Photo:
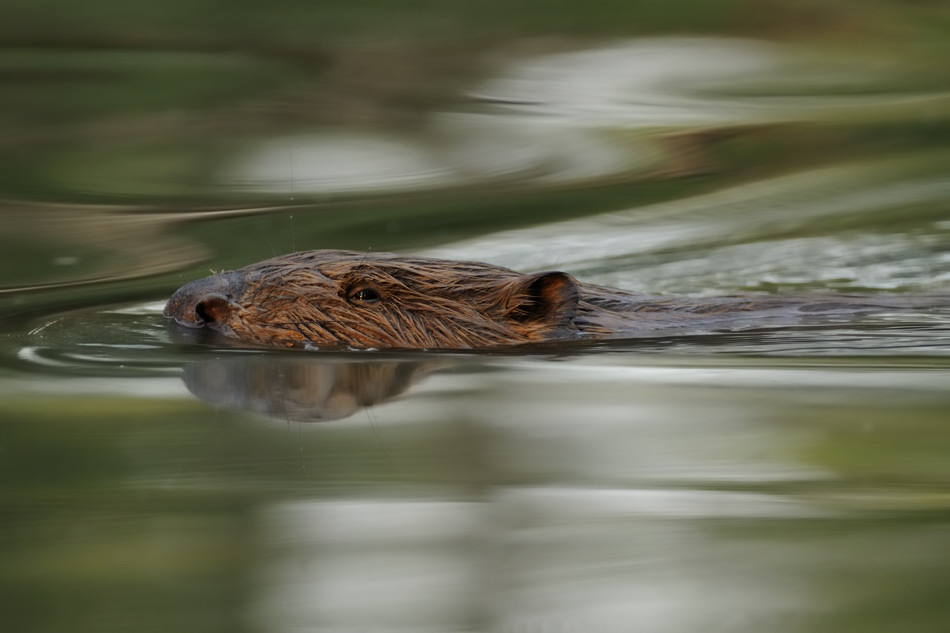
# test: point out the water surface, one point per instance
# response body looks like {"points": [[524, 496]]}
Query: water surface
{"points": [[780, 479]]}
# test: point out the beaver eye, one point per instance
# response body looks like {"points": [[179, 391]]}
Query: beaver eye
{"points": [[364, 295]]}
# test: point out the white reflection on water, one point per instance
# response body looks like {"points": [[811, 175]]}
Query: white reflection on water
{"points": [[646, 83], [389, 564], [523, 559], [571, 116], [341, 161]]}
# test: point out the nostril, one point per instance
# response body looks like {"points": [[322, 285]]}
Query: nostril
{"points": [[202, 314], [213, 309]]}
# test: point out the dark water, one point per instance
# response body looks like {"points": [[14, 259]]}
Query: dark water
{"points": [[773, 479]]}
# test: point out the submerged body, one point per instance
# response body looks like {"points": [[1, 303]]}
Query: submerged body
{"points": [[329, 298]]}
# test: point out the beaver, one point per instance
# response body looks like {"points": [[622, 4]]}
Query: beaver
{"points": [[334, 299]]}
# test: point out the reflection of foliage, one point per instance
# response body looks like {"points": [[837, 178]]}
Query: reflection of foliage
{"points": [[72, 445], [76, 83], [147, 100], [121, 510], [103, 56], [301, 23], [885, 443]]}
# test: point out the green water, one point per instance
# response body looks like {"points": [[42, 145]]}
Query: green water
{"points": [[773, 479]]}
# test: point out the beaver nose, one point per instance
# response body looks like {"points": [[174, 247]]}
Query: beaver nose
{"points": [[203, 302]]}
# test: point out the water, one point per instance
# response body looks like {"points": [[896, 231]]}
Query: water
{"points": [[780, 479]]}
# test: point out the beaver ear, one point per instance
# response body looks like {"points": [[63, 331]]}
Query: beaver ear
{"points": [[545, 296]]}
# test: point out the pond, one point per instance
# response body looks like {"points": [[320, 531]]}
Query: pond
{"points": [[790, 478]]}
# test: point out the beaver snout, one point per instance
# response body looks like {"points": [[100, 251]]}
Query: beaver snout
{"points": [[204, 303]]}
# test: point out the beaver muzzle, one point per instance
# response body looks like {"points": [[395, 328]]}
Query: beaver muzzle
{"points": [[205, 302]]}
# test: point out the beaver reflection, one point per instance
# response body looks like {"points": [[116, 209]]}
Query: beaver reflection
{"points": [[381, 300], [298, 390]]}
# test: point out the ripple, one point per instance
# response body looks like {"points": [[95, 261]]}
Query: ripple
{"points": [[751, 237], [77, 245], [130, 341]]}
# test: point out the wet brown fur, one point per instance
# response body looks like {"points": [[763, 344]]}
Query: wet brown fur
{"points": [[348, 299]]}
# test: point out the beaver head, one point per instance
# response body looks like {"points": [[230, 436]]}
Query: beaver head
{"points": [[379, 300]]}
